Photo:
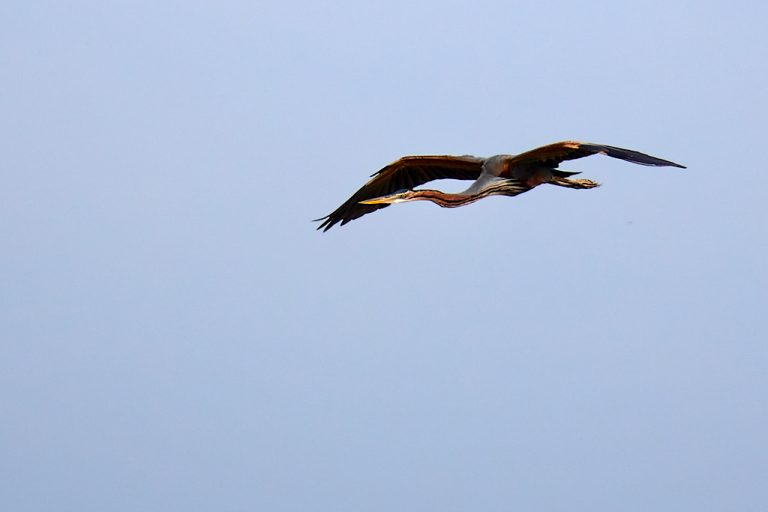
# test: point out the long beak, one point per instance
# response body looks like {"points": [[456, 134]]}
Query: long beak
{"points": [[390, 199]]}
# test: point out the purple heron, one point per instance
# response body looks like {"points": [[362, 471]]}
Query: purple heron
{"points": [[505, 175]]}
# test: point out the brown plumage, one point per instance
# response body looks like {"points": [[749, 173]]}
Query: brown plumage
{"points": [[507, 175]]}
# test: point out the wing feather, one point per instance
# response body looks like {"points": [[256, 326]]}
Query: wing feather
{"points": [[406, 173], [552, 154]]}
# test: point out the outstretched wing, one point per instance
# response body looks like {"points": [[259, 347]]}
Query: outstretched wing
{"points": [[404, 174], [551, 155]]}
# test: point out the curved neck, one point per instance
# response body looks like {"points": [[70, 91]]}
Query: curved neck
{"points": [[447, 200]]}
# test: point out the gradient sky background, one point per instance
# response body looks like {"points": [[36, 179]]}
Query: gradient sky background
{"points": [[177, 336]]}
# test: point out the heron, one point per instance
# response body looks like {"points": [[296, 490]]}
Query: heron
{"points": [[499, 175]]}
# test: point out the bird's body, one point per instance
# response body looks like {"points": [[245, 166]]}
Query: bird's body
{"points": [[507, 175]]}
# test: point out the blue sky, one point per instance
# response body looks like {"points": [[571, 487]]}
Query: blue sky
{"points": [[177, 336]]}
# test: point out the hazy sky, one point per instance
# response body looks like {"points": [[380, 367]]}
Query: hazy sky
{"points": [[177, 336]]}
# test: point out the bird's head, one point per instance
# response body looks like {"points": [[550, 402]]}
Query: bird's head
{"points": [[398, 197]]}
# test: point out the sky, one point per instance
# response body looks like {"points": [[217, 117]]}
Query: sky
{"points": [[176, 335]]}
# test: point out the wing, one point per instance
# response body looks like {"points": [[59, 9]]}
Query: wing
{"points": [[552, 154], [404, 174]]}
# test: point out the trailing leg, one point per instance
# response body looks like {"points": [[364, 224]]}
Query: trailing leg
{"points": [[569, 183]]}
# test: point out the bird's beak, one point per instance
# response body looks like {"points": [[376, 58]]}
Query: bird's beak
{"points": [[390, 199]]}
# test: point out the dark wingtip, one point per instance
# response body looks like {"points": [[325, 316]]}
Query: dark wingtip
{"points": [[325, 220], [631, 155]]}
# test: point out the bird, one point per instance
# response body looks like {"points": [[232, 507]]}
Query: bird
{"points": [[504, 175]]}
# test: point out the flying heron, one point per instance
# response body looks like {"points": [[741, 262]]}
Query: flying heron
{"points": [[504, 175]]}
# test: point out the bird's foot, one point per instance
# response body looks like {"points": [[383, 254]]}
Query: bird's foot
{"points": [[569, 183], [585, 183]]}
